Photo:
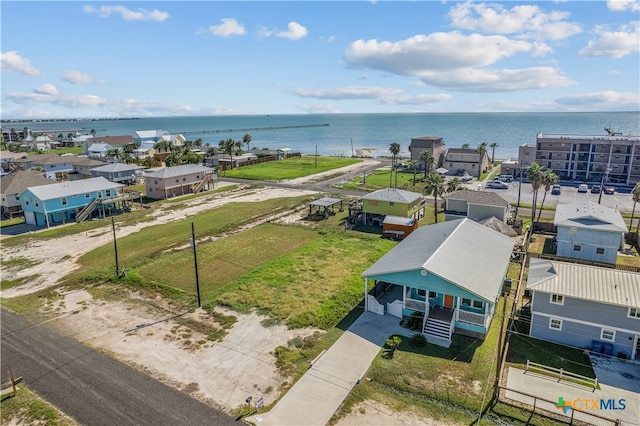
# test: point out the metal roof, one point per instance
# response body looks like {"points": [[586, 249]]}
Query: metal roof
{"points": [[484, 198], [393, 195], [325, 202], [74, 187], [185, 169], [456, 251], [589, 215], [398, 220], [604, 285]]}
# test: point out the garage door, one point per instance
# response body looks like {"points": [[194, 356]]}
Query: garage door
{"points": [[30, 218]]}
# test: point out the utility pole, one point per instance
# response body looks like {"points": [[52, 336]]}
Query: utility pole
{"points": [[115, 247], [519, 192], [195, 261]]}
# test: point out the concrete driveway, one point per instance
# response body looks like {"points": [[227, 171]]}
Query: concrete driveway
{"points": [[318, 394]]}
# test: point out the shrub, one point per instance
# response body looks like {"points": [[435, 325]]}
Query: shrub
{"points": [[418, 340]]}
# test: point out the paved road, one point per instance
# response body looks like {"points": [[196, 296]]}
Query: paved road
{"points": [[91, 387]]}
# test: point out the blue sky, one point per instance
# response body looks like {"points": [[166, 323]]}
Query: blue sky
{"points": [[137, 59]]}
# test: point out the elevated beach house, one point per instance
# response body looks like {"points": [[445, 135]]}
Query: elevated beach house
{"points": [[445, 278], [179, 180], [585, 306], [589, 231], [12, 184], [391, 201], [73, 201]]}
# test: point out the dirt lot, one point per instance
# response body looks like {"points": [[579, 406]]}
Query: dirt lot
{"points": [[221, 373]]}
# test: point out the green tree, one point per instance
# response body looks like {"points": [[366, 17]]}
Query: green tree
{"points": [[435, 186], [163, 146], [246, 140], [465, 146], [534, 175], [453, 185], [493, 146], [635, 196], [228, 146], [548, 179], [482, 150], [426, 157], [394, 148]]}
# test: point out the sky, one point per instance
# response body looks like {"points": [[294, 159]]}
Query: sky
{"points": [[119, 59]]}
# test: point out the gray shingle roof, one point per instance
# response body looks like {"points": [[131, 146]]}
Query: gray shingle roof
{"points": [[589, 215], [185, 169], [484, 198], [75, 187], [117, 167], [19, 180], [393, 195], [604, 285], [457, 251]]}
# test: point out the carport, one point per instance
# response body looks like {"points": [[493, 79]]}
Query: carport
{"points": [[324, 206]]}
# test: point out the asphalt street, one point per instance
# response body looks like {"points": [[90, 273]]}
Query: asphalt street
{"points": [[91, 387]]}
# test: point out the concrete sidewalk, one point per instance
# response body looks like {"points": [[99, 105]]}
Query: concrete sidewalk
{"points": [[550, 389], [318, 394]]}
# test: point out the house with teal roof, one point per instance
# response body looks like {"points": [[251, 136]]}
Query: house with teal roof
{"points": [[443, 276]]}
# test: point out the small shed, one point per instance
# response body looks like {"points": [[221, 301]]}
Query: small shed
{"points": [[397, 227], [324, 206]]}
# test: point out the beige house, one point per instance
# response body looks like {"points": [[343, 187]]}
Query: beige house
{"points": [[526, 155], [460, 160], [13, 184], [179, 180]]}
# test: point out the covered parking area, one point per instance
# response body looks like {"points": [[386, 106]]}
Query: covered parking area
{"points": [[324, 207]]}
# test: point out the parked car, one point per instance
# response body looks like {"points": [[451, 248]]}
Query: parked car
{"points": [[555, 190], [595, 189], [505, 178], [583, 187], [466, 178], [497, 184], [609, 190]]}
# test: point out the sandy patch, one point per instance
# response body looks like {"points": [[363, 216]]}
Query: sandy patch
{"points": [[373, 413], [221, 373]]}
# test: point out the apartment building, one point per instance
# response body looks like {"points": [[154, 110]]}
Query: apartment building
{"points": [[589, 158]]}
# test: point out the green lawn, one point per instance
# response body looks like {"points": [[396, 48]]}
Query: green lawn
{"points": [[384, 178], [27, 408], [289, 168]]}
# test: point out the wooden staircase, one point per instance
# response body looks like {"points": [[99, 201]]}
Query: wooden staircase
{"points": [[201, 184], [86, 211]]}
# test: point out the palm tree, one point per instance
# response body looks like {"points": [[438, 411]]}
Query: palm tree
{"points": [[228, 146], [394, 148], [435, 186], [493, 146], [198, 142], [549, 178], [482, 150], [635, 196], [453, 184], [163, 146], [534, 175], [246, 140], [465, 146], [426, 157]]}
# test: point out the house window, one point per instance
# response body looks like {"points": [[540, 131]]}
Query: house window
{"points": [[609, 335], [63, 200], [634, 312], [197, 176], [432, 295], [422, 293], [555, 324], [37, 202], [17, 197], [478, 304], [177, 180], [391, 203], [599, 250], [466, 302], [87, 195], [108, 192], [557, 299], [184, 179], [26, 200], [155, 182], [577, 247], [99, 194]]}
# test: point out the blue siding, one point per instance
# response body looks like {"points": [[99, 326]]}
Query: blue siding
{"points": [[589, 241]]}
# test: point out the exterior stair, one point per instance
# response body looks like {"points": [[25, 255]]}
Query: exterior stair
{"points": [[437, 328], [86, 211], [201, 184]]}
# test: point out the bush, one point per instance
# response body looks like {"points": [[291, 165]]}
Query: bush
{"points": [[418, 340], [415, 321]]}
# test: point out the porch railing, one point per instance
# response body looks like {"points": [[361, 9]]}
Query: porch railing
{"points": [[470, 317], [416, 305]]}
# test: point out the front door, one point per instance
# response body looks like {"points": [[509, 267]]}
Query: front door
{"points": [[448, 301]]}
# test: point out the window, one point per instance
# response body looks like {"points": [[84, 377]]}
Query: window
{"points": [[634, 312], [184, 179], [177, 180], [573, 231], [108, 193], [577, 247], [466, 301], [422, 293], [557, 299], [433, 295], [17, 197], [37, 202], [26, 200], [599, 250], [63, 200], [391, 203], [555, 324], [478, 304], [609, 335], [87, 195]]}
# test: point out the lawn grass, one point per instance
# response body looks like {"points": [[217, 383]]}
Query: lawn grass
{"points": [[27, 408], [289, 168], [11, 222], [384, 178]]}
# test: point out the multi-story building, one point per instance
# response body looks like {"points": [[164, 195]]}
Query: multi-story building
{"points": [[614, 158], [460, 160], [434, 144]]}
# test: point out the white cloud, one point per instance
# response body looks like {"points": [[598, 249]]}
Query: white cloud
{"points": [[606, 100], [128, 14], [527, 21], [623, 5], [615, 44], [352, 92], [319, 109], [46, 89], [294, 31], [228, 27], [12, 62], [416, 99], [76, 77]]}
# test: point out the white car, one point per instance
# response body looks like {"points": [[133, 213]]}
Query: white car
{"points": [[497, 184], [583, 187]]}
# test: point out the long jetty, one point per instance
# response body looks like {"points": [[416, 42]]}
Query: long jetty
{"points": [[249, 129]]}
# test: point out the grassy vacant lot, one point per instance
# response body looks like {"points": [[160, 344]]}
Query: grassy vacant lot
{"points": [[382, 178], [289, 168], [27, 408]]}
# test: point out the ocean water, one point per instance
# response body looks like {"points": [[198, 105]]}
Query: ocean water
{"points": [[343, 134]]}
